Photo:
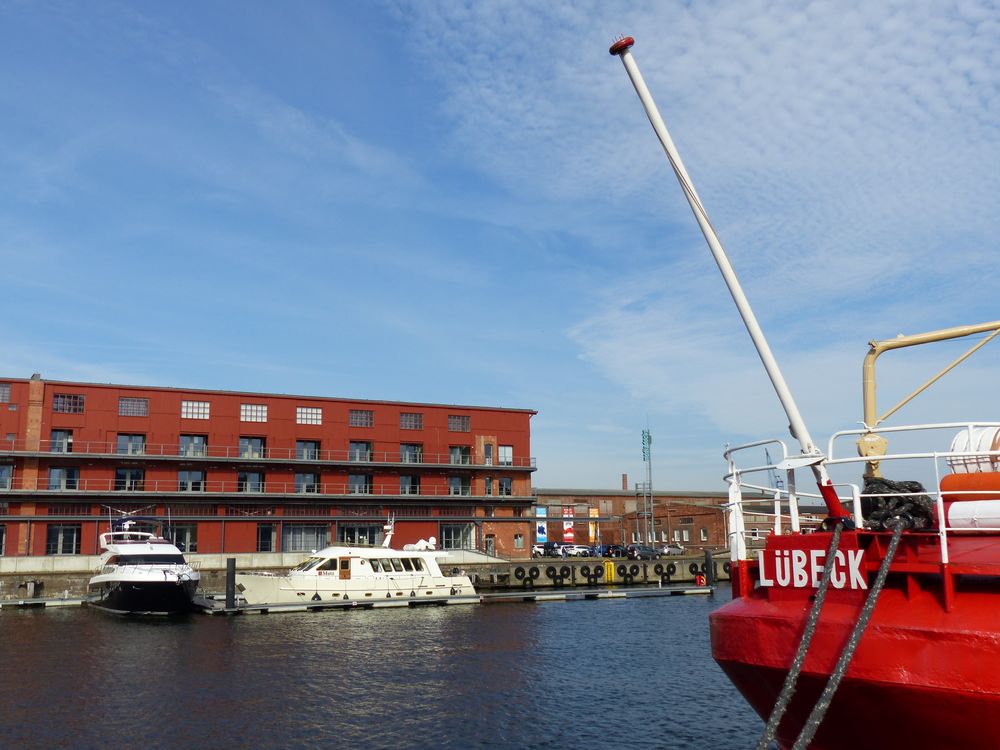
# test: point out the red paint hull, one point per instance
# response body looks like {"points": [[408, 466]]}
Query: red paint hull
{"points": [[925, 676]]}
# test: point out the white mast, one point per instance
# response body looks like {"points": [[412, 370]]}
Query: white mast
{"points": [[810, 453]]}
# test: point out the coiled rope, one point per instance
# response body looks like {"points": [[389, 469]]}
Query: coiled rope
{"points": [[819, 710], [788, 688]]}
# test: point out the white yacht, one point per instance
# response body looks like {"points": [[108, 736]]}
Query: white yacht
{"points": [[141, 573], [364, 576]]}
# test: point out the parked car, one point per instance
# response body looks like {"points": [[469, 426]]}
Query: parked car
{"points": [[673, 549], [641, 552], [537, 550], [610, 550], [578, 550], [552, 549]]}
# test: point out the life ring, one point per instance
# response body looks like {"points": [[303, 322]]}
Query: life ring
{"points": [[550, 571], [671, 569], [585, 571], [699, 580], [534, 572], [727, 567], [634, 571], [564, 571], [693, 569], [622, 570], [519, 573], [658, 569]]}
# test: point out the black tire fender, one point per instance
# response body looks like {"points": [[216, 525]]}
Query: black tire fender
{"points": [[534, 572], [633, 571], [564, 571], [519, 573], [693, 569], [622, 570], [585, 571], [658, 569], [550, 571], [671, 569], [727, 567]]}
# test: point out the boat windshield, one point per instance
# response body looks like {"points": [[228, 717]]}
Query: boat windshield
{"points": [[308, 564], [150, 559]]}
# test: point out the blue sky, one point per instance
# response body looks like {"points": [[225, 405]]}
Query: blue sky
{"points": [[463, 203]]}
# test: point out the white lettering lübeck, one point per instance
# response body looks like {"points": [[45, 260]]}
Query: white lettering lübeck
{"points": [[800, 568]]}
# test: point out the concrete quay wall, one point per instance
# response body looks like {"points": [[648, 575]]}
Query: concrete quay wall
{"points": [[64, 577]]}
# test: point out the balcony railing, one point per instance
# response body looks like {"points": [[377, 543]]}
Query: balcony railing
{"points": [[235, 453], [233, 487]]}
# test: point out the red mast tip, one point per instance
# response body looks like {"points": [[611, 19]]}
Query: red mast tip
{"points": [[621, 45]]}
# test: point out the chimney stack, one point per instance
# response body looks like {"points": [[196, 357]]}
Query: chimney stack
{"points": [[624, 482]]}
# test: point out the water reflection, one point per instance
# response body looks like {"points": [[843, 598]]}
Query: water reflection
{"points": [[634, 672]]}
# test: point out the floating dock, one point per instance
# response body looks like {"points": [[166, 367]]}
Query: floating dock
{"points": [[213, 606]]}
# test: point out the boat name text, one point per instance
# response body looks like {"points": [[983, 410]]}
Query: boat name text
{"points": [[799, 568]]}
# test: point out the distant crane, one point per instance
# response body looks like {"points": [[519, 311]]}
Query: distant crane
{"points": [[777, 483]]}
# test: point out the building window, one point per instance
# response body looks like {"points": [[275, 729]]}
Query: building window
{"points": [[360, 533], [458, 536], [62, 539], [704, 534], [184, 535], [67, 403], [6, 476], [686, 535], [250, 481], [459, 454], [518, 512], [488, 454], [307, 450], [685, 519], [677, 535], [457, 423], [133, 407], [304, 537], [194, 445], [308, 415], [409, 420], [190, 480], [361, 418], [360, 451], [3, 539], [63, 478], [411, 453], [459, 486], [505, 455], [252, 447], [265, 537], [307, 482], [489, 511], [253, 412], [488, 485], [409, 485], [4, 393], [518, 541], [504, 486], [62, 441], [195, 409], [359, 484], [128, 480], [131, 444]]}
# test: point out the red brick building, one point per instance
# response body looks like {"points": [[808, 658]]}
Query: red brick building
{"points": [[245, 472], [693, 519]]}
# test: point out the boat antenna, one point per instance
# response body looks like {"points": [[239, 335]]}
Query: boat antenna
{"points": [[810, 454], [389, 528]]}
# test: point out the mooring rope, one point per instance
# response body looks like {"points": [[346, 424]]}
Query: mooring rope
{"points": [[788, 688], [819, 710]]}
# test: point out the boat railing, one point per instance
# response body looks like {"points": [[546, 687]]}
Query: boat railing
{"points": [[768, 492]]}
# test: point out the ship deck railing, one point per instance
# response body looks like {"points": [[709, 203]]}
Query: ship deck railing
{"points": [[767, 497]]}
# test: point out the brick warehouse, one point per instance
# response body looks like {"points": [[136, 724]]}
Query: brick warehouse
{"points": [[249, 472]]}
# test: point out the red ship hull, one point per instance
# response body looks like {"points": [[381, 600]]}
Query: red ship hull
{"points": [[925, 675]]}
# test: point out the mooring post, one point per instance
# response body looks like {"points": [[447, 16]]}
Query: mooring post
{"points": [[230, 583], [709, 568]]}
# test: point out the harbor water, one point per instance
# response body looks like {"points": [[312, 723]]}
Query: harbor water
{"points": [[628, 673]]}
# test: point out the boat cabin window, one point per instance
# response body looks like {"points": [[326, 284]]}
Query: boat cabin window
{"points": [[375, 566], [407, 564], [418, 564], [308, 564], [330, 564], [397, 564], [386, 565], [150, 559]]}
